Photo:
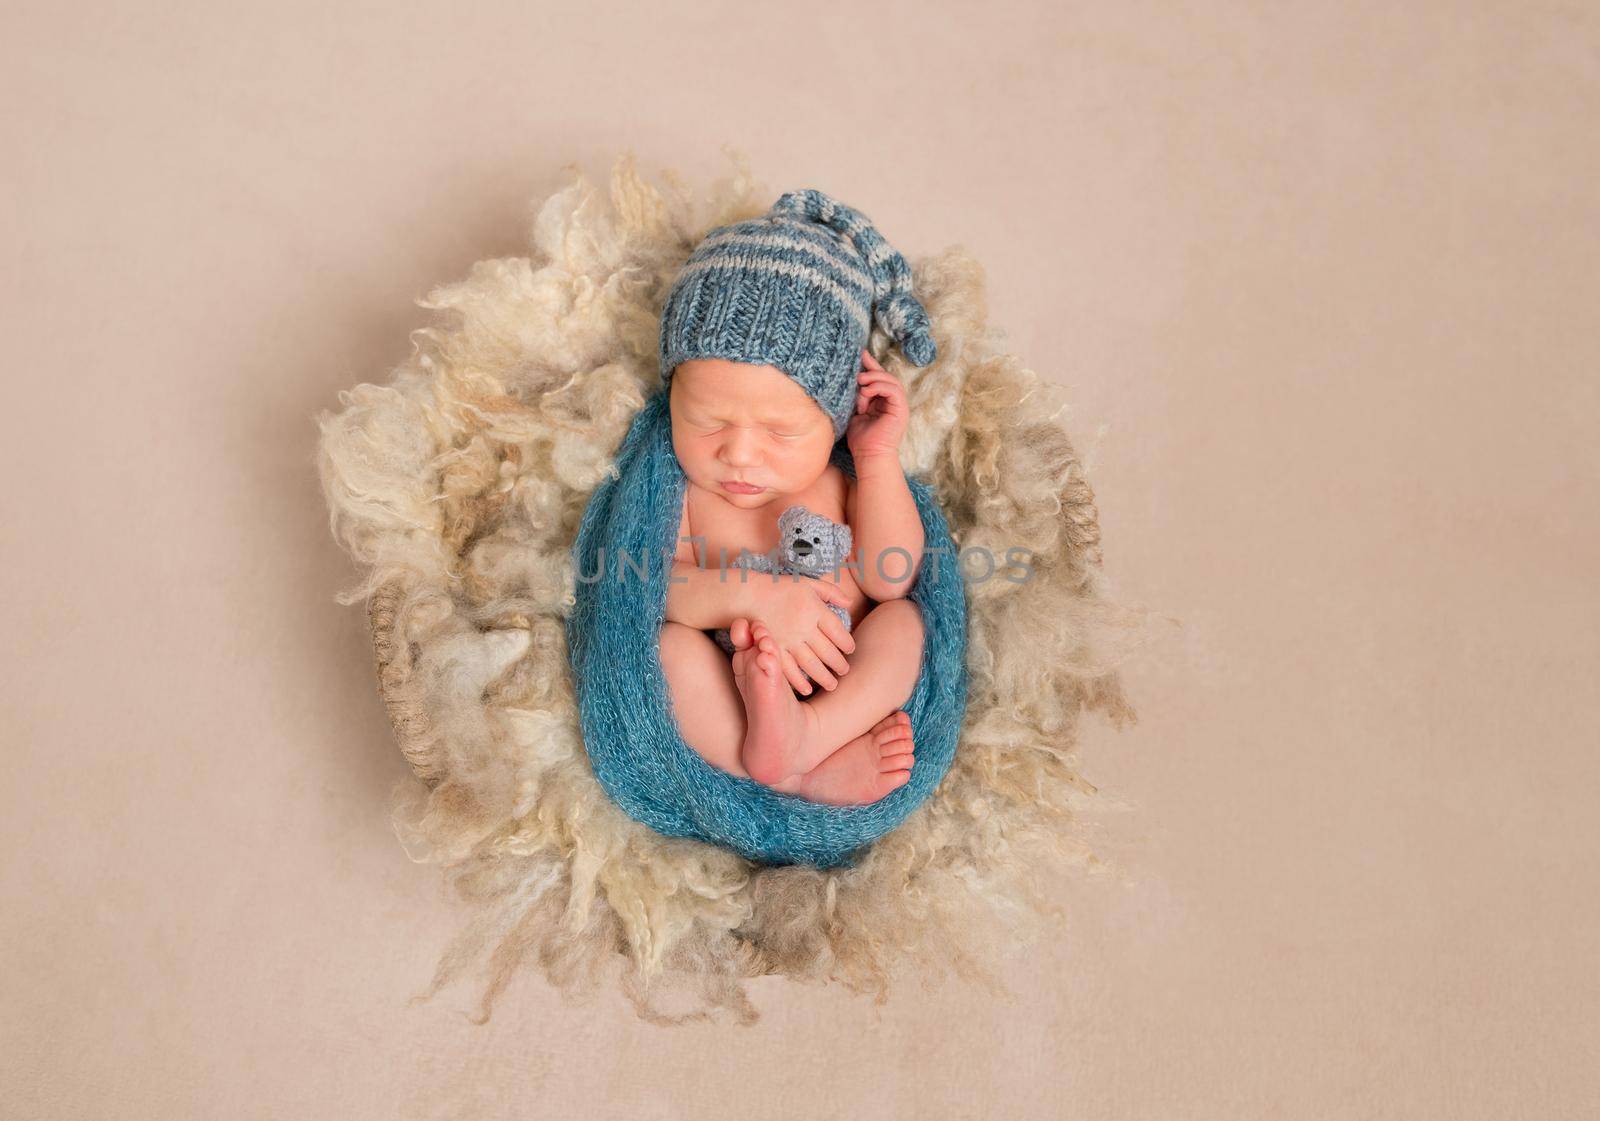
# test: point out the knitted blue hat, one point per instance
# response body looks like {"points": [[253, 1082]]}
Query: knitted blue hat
{"points": [[796, 288]]}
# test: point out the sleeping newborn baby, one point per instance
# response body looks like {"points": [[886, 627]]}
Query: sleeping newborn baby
{"points": [[763, 346], [805, 705]]}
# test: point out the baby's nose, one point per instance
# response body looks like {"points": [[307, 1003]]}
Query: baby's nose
{"points": [[740, 449]]}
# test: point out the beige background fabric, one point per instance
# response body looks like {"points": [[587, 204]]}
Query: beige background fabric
{"points": [[1321, 278]]}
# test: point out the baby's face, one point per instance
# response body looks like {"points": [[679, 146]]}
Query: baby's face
{"points": [[734, 422]]}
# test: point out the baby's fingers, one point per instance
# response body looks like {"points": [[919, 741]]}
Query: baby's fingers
{"points": [[889, 392], [797, 678], [879, 385], [834, 628], [831, 592], [829, 654], [813, 666]]}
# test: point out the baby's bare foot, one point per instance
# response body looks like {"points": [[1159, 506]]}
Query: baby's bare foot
{"points": [[867, 768], [774, 717]]}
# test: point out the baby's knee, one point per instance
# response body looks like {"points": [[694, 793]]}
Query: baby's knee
{"points": [[904, 616], [679, 642]]}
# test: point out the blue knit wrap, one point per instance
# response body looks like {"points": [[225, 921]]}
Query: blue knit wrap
{"points": [[624, 550]]}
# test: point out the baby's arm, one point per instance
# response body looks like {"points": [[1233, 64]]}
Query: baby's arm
{"points": [[705, 599], [812, 639], [700, 596], [883, 518], [882, 514]]}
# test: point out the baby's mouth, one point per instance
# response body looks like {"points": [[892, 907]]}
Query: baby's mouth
{"points": [[737, 487]]}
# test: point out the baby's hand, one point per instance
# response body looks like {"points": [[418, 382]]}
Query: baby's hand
{"points": [[811, 639], [882, 412]]}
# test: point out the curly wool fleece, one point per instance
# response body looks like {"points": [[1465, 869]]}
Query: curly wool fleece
{"points": [[457, 487]]}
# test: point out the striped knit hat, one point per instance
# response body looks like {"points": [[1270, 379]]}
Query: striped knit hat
{"points": [[796, 288]]}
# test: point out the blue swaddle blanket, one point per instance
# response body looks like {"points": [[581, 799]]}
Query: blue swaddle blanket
{"points": [[623, 553]]}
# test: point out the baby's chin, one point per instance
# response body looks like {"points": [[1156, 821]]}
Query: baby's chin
{"points": [[742, 501]]}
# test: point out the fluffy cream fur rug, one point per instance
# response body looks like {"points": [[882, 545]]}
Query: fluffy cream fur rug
{"points": [[457, 487]]}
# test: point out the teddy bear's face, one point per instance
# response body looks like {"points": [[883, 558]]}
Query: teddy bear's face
{"points": [[810, 543]]}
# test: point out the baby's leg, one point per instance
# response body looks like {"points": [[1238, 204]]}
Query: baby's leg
{"points": [[705, 700], [883, 672], [867, 768], [711, 716]]}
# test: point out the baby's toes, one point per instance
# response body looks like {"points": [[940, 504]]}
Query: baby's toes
{"points": [[739, 633], [895, 737], [899, 716], [896, 751], [898, 762]]}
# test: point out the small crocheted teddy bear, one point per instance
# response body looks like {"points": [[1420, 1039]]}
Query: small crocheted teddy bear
{"points": [[808, 544]]}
